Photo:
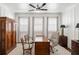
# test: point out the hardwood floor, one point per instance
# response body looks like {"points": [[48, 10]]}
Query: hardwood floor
{"points": [[61, 51]]}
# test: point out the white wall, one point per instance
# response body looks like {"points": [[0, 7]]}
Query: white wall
{"points": [[6, 11], [70, 17]]}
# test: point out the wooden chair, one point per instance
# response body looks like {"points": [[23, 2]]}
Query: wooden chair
{"points": [[54, 41], [26, 37], [28, 40], [27, 50]]}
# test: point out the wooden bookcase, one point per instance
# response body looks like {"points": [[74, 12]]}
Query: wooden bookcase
{"points": [[7, 35]]}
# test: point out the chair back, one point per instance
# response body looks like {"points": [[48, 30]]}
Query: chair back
{"points": [[22, 41], [26, 37], [54, 38], [28, 40]]}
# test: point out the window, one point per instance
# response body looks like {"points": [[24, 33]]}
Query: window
{"points": [[52, 25], [24, 24], [38, 24], [23, 27]]}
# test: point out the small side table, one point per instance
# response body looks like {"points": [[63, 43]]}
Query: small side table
{"points": [[63, 41]]}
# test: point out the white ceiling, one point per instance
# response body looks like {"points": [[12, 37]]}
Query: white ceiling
{"points": [[53, 7]]}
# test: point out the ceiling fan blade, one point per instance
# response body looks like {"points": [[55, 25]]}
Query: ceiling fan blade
{"points": [[37, 6], [43, 5], [32, 5], [44, 9]]}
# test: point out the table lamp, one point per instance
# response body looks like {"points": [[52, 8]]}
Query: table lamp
{"points": [[77, 26], [62, 26]]}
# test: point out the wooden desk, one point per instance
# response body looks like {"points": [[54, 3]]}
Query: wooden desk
{"points": [[42, 47]]}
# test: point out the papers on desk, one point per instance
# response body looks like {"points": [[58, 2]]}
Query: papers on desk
{"points": [[38, 39]]}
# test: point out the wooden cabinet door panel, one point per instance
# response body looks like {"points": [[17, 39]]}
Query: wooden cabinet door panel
{"points": [[6, 40]]}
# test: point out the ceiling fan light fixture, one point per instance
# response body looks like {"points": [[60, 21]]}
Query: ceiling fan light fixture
{"points": [[38, 7]]}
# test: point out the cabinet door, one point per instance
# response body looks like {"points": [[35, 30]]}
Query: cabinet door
{"points": [[8, 35], [13, 40], [3, 25], [14, 27], [14, 36], [2, 36], [0, 40]]}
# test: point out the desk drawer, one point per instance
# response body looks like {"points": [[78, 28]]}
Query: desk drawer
{"points": [[42, 48]]}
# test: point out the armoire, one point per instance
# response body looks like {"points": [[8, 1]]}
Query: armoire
{"points": [[7, 35]]}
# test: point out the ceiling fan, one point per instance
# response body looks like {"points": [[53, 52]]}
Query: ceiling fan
{"points": [[38, 7]]}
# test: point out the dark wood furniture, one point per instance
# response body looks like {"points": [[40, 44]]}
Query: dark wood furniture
{"points": [[27, 50], [42, 48], [75, 47], [7, 35], [63, 41]]}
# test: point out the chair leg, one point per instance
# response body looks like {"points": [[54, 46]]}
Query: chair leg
{"points": [[23, 53], [31, 51], [51, 49]]}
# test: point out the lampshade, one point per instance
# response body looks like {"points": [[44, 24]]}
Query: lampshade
{"points": [[77, 26], [62, 26]]}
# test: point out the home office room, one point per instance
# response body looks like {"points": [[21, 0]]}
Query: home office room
{"points": [[39, 28]]}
